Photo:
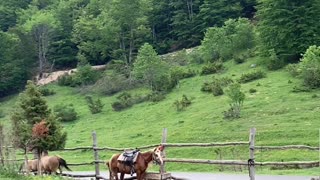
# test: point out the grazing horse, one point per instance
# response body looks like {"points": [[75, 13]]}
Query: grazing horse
{"points": [[50, 164], [32, 166], [139, 166]]}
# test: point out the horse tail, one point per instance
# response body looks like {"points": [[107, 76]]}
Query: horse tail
{"points": [[63, 163]]}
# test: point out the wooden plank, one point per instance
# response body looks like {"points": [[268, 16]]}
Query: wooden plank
{"points": [[205, 144], [163, 141], [251, 162], [204, 161], [157, 176], [95, 154], [287, 147]]}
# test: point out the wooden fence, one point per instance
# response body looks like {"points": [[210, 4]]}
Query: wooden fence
{"points": [[250, 162]]}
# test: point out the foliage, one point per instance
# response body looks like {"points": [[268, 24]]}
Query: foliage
{"points": [[46, 91], [85, 75], [293, 69], [216, 85], [183, 103], [251, 76], [156, 96], [310, 67], [212, 68], [293, 19], [225, 42], [66, 80], [95, 106], [149, 67], [65, 113], [237, 98], [113, 83], [274, 62], [31, 109], [252, 90], [125, 101], [178, 73]]}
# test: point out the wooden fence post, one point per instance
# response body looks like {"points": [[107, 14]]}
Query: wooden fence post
{"points": [[251, 154], [163, 140], [95, 153]]}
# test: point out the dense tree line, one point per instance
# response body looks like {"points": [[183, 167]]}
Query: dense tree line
{"points": [[42, 35]]}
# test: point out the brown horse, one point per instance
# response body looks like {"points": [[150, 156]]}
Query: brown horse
{"points": [[140, 166], [32, 166], [50, 164]]}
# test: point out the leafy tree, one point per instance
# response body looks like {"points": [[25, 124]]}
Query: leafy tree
{"points": [[310, 67], [227, 41], [148, 66], [14, 64], [32, 109], [289, 27], [41, 25]]}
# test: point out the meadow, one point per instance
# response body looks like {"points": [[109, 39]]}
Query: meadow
{"points": [[281, 117]]}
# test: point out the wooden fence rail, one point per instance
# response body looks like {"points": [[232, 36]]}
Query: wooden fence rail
{"points": [[251, 163]]}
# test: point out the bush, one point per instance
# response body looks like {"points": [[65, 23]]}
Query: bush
{"points": [[66, 80], [179, 73], [94, 106], [310, 67], [274, 62], [293, 70], [216, 85], [251, 76], [156, 96], [125, 101], [211, 68], [195, 57], [85, 75], [237, 98], [252, 90], [2, 115], [111, 84], [65, 112], [163, 84], [46, 91], [298, 89], [183, 103]]}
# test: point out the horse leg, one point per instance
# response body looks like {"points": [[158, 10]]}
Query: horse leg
{"points": [[122, 176]]}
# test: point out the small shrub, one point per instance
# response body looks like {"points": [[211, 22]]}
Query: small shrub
{"points": [[252, 90], [163, 84], [240, 58], [293, 70], [297, 89], [111, 84], [85, 75], [179, 73], [182, 104], [195, 57], [2, 115], [314, 96], [237, 98], [66, 80], [233, 112], [65, 112], [251, 76], [216, 85], [125, 101], [274, 62], [212, 68], [95, 106], [46, 91], [156, 96]]}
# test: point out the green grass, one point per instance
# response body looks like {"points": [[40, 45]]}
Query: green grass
{"points": [[280, 117]]}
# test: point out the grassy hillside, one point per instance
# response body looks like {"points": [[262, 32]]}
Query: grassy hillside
{"points": [[280, 116]]}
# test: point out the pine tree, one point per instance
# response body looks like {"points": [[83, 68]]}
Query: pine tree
{"points": [[31, 109], [288, 26]]}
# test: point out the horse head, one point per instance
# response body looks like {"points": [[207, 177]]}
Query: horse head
{"points": [[158, 154]]}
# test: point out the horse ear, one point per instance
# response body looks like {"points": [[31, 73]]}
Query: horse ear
{"points": [[161, 147]]}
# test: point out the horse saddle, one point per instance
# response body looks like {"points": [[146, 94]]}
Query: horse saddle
{"points": [[129, 157]]}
